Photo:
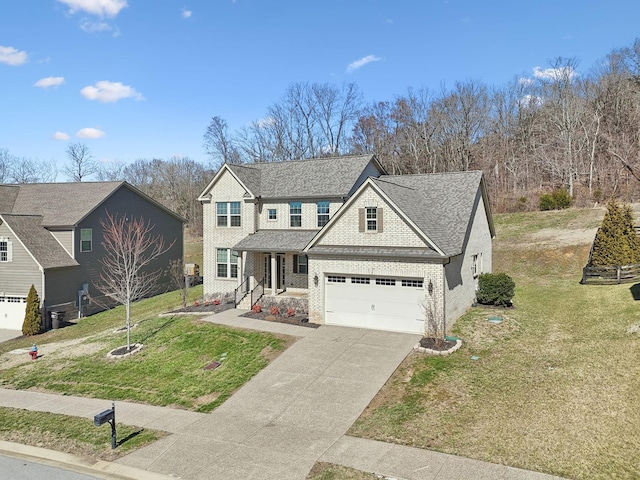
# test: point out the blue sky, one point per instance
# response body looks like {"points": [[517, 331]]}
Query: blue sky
{"points": [[142, 78]]}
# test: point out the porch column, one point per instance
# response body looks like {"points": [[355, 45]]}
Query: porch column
{"points": [[274, 273], [240, 268]]}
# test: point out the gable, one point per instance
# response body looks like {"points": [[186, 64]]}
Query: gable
{"points": [[225, 186], [345, 229]]}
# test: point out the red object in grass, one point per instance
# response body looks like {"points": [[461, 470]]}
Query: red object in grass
{"points": [[275, 311], [216, 302], [291, 312], [256, 309]]}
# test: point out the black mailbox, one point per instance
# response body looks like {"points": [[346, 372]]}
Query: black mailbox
{"points": [[103, 417]]}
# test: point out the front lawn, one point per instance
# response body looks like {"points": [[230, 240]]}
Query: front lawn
{"points": [[169, 371], [555, 386]]}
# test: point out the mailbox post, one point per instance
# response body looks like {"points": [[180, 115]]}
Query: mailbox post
{"points": [[110, 417]]}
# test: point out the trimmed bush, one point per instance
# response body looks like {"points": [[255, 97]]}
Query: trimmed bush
{"points": [[556, 200], [32, 324], [495, 289]]}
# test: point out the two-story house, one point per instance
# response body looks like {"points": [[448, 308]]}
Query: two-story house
{"points": [[366, 248], [51, 235]]}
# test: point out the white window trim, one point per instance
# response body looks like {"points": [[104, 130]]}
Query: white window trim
{"points": [[327, 214], [90, 230], [228, 263], [228, 215], [476, 265], [275, 216], [367, 219], [291, 215], [9, 251]]}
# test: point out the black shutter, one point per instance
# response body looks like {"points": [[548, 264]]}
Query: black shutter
{"points": [[295, 264]]}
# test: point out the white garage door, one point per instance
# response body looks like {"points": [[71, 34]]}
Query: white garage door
{"points": [[12, 312], [380, 303]]}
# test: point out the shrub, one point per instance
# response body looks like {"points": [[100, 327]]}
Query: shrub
{"points": [[616, 243], [216, 302], [256, 308], [275, 310], [291, 312], [495, 289], [556, 200], [32, 324]]}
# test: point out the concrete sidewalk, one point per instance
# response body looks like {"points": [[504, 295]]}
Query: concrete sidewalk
{"points": [[292, 414]]}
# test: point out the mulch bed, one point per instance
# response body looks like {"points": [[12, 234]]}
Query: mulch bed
{"points": [[295, 320], [430, 343]]}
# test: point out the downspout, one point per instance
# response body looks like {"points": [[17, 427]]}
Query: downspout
{"points": [[43, 307]]}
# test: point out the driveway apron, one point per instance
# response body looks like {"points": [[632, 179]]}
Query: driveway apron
{"points": [[287, 416]]}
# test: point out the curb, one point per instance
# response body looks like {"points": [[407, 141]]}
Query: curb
{"points": [[74, 463]]}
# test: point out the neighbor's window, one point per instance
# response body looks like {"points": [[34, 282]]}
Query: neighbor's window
{"points": [[323, 213], [300, 263], [372, 219], [272, 214], [227, 263], [5, 250], [228, 214], [295, 214], [86, 242]]}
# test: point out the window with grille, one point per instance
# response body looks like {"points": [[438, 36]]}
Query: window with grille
{"points": [[323, 213], [295, 214]]}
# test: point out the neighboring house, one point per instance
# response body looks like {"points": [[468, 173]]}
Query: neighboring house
{"points": [[50, 236], [367, 249]]}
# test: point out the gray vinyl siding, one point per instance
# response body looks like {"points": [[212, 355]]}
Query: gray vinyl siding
{"points": [[124, 202], [17, 276], [65, 237]]}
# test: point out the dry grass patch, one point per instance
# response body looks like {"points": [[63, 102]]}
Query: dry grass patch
{"points": [[329, 471]]}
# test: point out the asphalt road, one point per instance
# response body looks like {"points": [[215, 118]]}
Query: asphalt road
{"points": [[18, 469]]}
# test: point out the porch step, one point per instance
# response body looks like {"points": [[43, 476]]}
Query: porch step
{"points": [[245, 303]]}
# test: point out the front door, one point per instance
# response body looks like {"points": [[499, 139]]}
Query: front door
{"points": [[279, 273]]}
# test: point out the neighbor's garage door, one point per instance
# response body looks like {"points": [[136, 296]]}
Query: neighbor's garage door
{"points": [[375, 302], [12, 312]]}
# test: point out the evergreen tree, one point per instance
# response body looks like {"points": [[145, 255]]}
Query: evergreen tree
{"points": [[32, 324], [616, 243]]}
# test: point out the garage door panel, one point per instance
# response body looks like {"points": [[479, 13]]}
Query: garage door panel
{"points": [[12, 313], [382, 307]]}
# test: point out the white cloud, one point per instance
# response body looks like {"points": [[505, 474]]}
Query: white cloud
{"points": [[525, 81], [554, 73], [530, 101], [101, 8], [90, 133], [49, 82], [186, 13], [92, 27], [265, 122], [11, 56], [109, 92], [61, 136], [362, 62]]}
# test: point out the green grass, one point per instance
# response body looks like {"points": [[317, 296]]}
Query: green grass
{"points": [[193, 251], [71, 434], [169, 371], [555, 388]]}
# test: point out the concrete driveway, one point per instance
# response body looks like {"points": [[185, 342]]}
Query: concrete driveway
{"points": [[6, 334], [281, 422]]}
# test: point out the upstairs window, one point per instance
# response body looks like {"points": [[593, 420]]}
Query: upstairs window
{"points": [[372, 219], [86, 242], [323, 213], [295, 214], [5, 250], [228, 214], [272, 214]]}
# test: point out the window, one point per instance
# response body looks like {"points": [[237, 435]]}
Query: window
{"points": [[5, 250], [361, 280], [323, 213], [385, 281], [372, 219], [227, 263], [476, 265], [272, 214], [412, 283], [300, 263], [86, 243], [335, 279], [228, 214], [295, 214]]}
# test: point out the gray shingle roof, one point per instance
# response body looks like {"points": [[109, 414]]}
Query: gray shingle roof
{"points": [[362, 251], [318, 177], [59, 204], [439, 204], [39, 241], [276, 241]]}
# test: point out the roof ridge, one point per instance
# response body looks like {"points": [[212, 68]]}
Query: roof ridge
{"points": [[382, 179]]}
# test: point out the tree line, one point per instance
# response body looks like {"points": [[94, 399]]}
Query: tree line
{"points": [[556, 129]]}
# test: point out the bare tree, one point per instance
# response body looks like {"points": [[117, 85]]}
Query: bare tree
{"points": [[180, 280], [219, 145], [110, 172], [130, 247], [81, 163]]}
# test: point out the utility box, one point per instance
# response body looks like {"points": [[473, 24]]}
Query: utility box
{"points": [[192, 274]]}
